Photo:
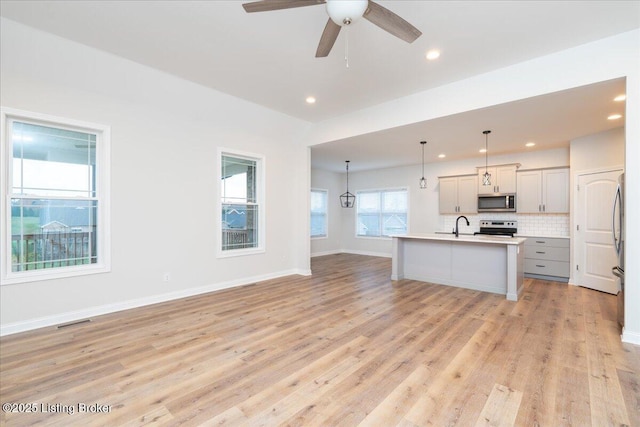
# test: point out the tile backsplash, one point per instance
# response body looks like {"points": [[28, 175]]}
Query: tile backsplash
{"points": [[528, 224]]}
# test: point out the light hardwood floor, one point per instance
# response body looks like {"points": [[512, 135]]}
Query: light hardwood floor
{"points": [[345, 347]]}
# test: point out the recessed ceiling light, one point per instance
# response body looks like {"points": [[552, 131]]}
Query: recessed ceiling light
{"points": [[442, 156], [614, 117], [483, 150], [530, 144], [433, 54], [310, 100], [620, 98]]}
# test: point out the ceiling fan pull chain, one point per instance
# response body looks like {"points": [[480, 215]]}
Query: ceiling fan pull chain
{"points": [[346, 46]]}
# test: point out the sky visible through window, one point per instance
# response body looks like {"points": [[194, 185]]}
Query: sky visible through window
{"points": [[234, 189], [46, 178]]}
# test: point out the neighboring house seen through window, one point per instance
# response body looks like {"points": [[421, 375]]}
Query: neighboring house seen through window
{"points": [[319, 213], [56, 199], [382, 213], [240, 204]]}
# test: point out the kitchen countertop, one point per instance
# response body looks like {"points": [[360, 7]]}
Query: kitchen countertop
{"points": [[531, 236], [542, 236], [467, 238]]}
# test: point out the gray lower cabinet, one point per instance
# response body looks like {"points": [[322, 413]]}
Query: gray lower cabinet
{"points": [[547, 258]]}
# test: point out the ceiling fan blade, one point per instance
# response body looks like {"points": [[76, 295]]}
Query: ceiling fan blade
{"points": [[390, 22], [267, 5], [329, 36]]}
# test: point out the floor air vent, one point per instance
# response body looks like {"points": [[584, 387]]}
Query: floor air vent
{"points": [[79, 322]]}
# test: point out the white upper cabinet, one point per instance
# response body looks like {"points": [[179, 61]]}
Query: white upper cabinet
{"points": [[503, 179], [543, 191], [458, 194]]}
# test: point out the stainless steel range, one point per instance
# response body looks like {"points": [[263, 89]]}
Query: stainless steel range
{"points": [[498, 227]]}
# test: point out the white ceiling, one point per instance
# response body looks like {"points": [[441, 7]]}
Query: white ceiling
{"points": [[268, 58]]}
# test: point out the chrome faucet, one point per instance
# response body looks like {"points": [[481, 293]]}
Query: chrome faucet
{"points": [[457, 219]]}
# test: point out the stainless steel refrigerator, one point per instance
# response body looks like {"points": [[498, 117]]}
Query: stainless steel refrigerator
{"points": [[618, 241]]}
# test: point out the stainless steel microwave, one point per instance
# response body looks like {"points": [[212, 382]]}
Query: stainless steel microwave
{"points": [[496, 202]]}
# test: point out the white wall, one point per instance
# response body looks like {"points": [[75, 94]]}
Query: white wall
{"points": [[598, 151], [165, 134], [617, 56], [334, 184]]}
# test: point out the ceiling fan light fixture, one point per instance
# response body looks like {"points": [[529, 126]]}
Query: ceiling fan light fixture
{"points": [[345, 12]]}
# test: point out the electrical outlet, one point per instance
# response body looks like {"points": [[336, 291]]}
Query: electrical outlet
{"points": [[166, 277]]}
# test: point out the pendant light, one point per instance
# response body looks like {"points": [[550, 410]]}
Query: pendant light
{"points": [[486, 178], [347, 200], [423, 181]]}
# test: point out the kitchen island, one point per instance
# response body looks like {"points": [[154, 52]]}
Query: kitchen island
{"points": [[484, 263]]}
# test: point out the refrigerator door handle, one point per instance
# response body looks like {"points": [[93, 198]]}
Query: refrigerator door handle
{"points": [[616, 203], [617, 271]]}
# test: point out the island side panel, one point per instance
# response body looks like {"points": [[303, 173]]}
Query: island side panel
{"points": [[479, 266], [515, 272], [397, 258], [427, 260]]}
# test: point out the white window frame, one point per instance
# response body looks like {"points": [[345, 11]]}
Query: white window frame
{"points": [[381, 212], [325, 214], [103, 228], [260, 202]]}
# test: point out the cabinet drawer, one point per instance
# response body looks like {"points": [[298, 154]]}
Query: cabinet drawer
{"points": [[546, 267], [547, 253], [547, 241]]}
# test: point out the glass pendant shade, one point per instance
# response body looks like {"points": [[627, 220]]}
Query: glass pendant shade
{"points": [[344, 12], [347, 200], [486, 177], [423, 183]]}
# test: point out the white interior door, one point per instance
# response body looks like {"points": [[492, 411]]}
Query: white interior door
{"points": [[595, 254]]}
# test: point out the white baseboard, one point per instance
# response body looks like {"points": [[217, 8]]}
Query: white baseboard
{"points": [[367, 253], [349, 251], [334, 252], [630, 337], [71, 316]]}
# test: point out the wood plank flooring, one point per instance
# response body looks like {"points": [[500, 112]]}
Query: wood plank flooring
{"points": [[344, 347]]}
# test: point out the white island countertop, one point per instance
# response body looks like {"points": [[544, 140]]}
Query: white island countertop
{"points": [[479, 238], [480, 262]]}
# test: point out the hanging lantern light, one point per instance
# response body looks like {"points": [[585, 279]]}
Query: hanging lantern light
{"points": [[486, 178], [423, 181], [347, 200]]}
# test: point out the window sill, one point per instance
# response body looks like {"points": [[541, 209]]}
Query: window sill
{"points": [[239, 252], [52, 274]]}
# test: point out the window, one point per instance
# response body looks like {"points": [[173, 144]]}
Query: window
{"points": [[240, 204], [55, 198], [319, 213], [382, 212]]}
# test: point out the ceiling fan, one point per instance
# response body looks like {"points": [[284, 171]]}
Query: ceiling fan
{"points": [[341, 13]]}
